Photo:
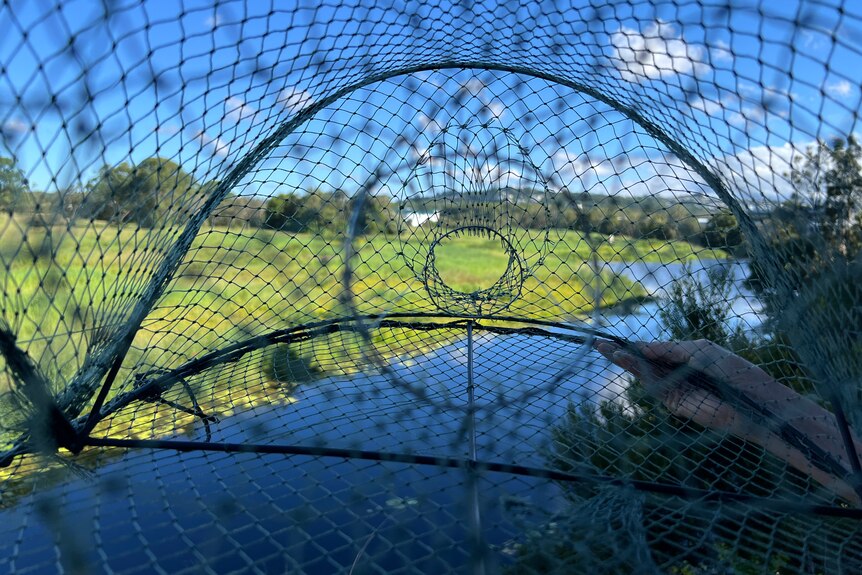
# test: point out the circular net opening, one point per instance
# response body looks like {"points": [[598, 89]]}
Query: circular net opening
{"points": [[501, 257], [444, 269]]}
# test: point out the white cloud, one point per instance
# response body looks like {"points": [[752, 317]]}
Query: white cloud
{"points": [[14, 128], [746, 117], [839, 89], [569, 167], [419, 155], [755, 176], [293, 99], [721, 52], [474, 86], [497, 109], [216, 145], [237, 110], [813, 40], [428, 126], [658, 52], [734, 110], [214, 21], [168, 129], [760, 173], [500, 175], [753, 113], [707, 106]]}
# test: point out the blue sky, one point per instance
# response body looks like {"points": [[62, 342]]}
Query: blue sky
{"points": [[226, 75]]}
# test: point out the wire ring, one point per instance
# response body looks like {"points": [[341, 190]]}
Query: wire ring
{"points": [[493, 299]]}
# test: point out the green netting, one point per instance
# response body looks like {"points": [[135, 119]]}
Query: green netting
{"points": [[354, 287]]}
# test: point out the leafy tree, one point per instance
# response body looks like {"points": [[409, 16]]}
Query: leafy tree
{"points": [[374, 216], [244, 210], [805, 231], [328, 212], [12, 183], [639, 439], [700, 310], [165, 181], [617, 220], [283, 213], [138, 194], [722, 232], [686, 223], [657, 225], [816, 241], [830, 175]]}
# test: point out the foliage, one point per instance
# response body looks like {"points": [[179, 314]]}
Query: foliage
{"points": [[696, 309], [320, 211], [12, 183], [641, 217], [722, 232], [283, 213], [141, 194], [239, 210], [602, 534], [816, 241], [138, 194], [285, 365], [831, 175], [821, 226], [637, 438]]}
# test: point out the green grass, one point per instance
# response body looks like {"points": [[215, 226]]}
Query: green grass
{"points": [[235, 283]]}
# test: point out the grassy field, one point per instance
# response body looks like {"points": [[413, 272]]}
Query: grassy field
{"points": [[64, 289]]}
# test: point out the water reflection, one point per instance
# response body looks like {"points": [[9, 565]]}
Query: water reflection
{"points": [[656, 278], [159, 510], [317, 514]]}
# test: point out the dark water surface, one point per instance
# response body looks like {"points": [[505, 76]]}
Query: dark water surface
{"points": [[159, 511]]}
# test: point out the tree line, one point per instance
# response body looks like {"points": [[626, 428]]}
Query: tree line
{"points": [[648, 217], [147, 192], [827, 178], [125, 193]]}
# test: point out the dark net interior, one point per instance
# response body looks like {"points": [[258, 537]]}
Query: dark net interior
{"points": [[357, 287]]}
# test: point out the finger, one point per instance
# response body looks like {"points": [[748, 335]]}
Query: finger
{"points": [[613, 352], [628, 362], [667, 351], [705, 409], [702, 355], [605, 347]]}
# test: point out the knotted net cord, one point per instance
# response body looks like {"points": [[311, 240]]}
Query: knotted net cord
{"points": [[365, 251]]}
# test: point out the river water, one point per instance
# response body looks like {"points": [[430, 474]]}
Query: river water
{"points": [[161, 510], [744, 308]]}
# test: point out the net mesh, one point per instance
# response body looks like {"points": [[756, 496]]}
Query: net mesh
{"points": [[357, 287]]}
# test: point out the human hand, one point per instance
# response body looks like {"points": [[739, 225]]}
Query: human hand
{"points": [[670, 371], [673, 373]]}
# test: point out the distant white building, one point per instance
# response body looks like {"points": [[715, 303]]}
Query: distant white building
{"points": [[416, 219]]}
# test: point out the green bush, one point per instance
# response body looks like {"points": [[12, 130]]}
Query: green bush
{"points": [[638, 439], [284, 365]]}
